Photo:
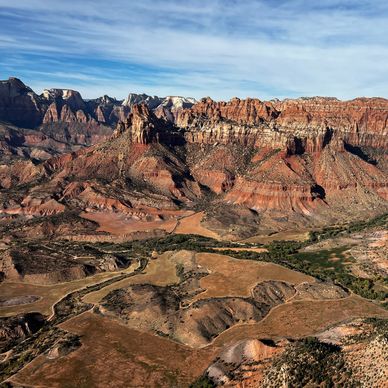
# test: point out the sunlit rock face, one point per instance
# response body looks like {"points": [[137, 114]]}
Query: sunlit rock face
{"points": [[310, 122]]}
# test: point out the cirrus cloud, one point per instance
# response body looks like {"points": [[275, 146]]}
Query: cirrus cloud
{"points": [[221, 48]]}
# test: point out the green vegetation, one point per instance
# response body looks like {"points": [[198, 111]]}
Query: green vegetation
{"points": [[203, 382], [180, 269], [325, 264], [143, 248], [380, 325], [378, 329], [328, 265], [38, 343], [358, 226]]}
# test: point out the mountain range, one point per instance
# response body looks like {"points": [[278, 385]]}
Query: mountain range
{"points": [[249, 165]]}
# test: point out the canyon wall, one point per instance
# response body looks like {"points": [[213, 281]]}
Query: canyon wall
{"points": [[301, 125]]}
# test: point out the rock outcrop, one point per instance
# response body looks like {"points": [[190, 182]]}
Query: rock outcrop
{"points": [[16, 329], [144, 127]]}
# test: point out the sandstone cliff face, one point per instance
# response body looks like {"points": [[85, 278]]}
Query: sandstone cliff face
{"points": [[302, 125], [144, 127], [249, 112], [72, 97], [305, 124], [107, 110], [248, 154], [52, 115], [19, 105], [362, 122], [154, 102]]}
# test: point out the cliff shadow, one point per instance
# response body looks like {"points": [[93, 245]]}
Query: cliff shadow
{"points": [[357, 151], [318, 191]]}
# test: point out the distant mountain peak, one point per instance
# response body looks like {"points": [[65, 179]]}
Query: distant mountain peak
{"points": [[154, 102], [60, 93]]}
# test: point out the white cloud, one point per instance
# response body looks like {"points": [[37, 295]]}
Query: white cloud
{"points": [[219, 48]]}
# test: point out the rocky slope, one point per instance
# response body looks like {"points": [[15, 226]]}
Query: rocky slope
{"points": [[19, 104], [48, 141], [160, 309], [347, 354]]}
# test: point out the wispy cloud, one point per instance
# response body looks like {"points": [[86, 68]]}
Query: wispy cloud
{"points": [[221, 48]]}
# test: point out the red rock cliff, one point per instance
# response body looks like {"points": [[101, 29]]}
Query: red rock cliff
{"points": [[309, 123]]}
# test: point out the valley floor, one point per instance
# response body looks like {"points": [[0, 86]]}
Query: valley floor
{"points": [[176, 311]]}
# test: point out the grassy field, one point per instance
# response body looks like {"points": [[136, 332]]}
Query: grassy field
{"points": [[229, 276], [303, 318], [115, 355]]}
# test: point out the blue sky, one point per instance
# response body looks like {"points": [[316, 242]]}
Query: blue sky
{"points": [[217, 48]]}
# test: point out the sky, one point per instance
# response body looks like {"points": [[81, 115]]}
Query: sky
{"points": [[218, 48]]}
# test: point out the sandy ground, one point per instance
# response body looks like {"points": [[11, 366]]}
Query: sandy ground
{"points": [[192, 225], [179, 222], [119, 224]]}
